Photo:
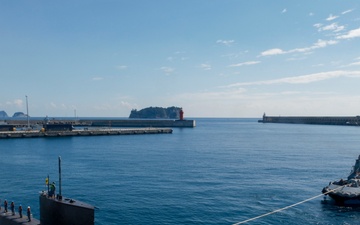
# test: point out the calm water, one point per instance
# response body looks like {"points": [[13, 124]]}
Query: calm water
{"points": [[222, 172]]}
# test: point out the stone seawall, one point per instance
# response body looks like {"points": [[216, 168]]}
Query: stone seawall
{"points": [[320, 120], [108, 122], [79, 133], [141, 123]]}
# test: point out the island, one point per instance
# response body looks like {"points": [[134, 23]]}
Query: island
{"points": [[156, 113], [17, 114], [3, 114]]}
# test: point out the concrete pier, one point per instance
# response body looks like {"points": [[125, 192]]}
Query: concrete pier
{"points": [[84, 132], [141, 123], [106, 122]]}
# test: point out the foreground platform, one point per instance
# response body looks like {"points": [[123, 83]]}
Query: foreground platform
{"points": [[9, 219]]}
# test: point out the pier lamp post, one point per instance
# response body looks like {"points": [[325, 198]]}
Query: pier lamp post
{"points": [[27, 113]]}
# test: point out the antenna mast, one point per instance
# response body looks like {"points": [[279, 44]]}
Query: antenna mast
{"points": [[60, 197], [27, 113]]}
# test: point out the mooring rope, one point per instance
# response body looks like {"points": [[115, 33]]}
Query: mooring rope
{"points": [[287, 207]]}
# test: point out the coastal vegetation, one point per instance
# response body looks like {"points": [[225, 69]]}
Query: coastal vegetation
{"points": [[156, 113]]}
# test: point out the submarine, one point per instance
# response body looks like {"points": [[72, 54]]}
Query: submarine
{"points": [[54, 210]]}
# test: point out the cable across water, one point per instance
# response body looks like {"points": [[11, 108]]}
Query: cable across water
{"points": [[287, 207]]}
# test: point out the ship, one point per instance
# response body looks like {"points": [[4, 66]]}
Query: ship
{"points": [[346, 191]]}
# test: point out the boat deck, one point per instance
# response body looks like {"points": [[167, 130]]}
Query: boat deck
{"points": [[9, 219]]}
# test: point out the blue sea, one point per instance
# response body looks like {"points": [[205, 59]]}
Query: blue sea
{"points": [[223, 171]]}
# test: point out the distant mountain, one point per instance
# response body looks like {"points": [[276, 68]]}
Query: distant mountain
{"points": [[3, 114], [156, 113], [19, 114]]}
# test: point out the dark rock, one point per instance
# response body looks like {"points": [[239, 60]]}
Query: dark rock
{"points": [[156, 113]]}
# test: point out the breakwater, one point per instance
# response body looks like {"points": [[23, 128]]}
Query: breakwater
{"points": [[320, 120], [140, 123], [84, 132], [105, 122]]}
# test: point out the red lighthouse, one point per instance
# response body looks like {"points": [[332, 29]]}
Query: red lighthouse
{"points": [[181, 114]]}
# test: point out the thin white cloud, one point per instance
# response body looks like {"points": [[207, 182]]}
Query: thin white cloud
{"points": [[178, 55], [322, 44], [235, 55], [355, 64], [284, 10], [318, 65], [273, 51], [295, 58], [121, 67], [167, 70], [351, 34], [128, 105], [97, 78], [317, 25], [245, 63], [56, 106], [179, 52], [205, 66], [225, 42], [332, 27], [319, 44], [347, 11], [214, 95], [304, 79], [331, 17], [16, 102]]}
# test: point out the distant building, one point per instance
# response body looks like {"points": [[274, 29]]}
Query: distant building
{"points": [[58, 127]]}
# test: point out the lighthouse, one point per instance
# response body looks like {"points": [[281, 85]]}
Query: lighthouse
{"points": [[181, 114]]}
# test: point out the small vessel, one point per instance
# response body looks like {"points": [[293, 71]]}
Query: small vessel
{"points": [[347, 191]]}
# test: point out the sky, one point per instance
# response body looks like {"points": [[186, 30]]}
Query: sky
{"points": [[213, 58]]}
